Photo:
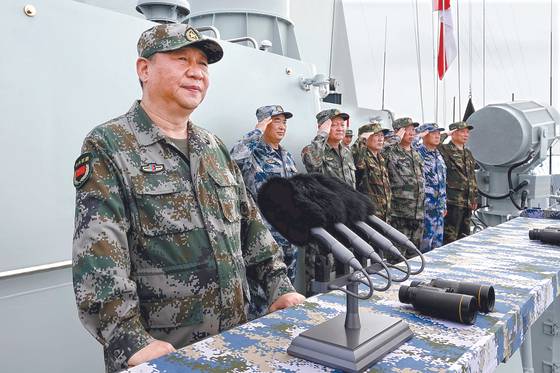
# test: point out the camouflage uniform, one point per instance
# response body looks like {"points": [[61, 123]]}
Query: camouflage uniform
{"points": [[164, 242], [372, 177], [259, 162], [320, 157], [435, 193], [462, 190], [406, 174]]}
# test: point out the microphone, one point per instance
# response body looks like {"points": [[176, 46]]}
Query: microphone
{"points": [[300, 209], [359, 209], [391, 232]]}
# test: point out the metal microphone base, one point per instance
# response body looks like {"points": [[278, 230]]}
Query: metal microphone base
{"points": [[352, 350]]}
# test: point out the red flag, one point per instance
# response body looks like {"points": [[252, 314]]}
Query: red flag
{"points": [[447, 49]]}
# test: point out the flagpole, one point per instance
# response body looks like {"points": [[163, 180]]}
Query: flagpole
{"points": [[470, 50], [384, 67], [483, 53], [551, 83], [436, 72], [444, 103], [458, 57], [418, 59]]}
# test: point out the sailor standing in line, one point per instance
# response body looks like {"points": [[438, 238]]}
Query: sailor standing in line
{"points": [[372, 177], [435, 185], [260, 157], [405, 167], [462, 190], [327, 155], [348, 135]]}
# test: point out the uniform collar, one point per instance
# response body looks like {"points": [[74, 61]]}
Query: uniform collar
{"points": [[145, 130], [270, 148], [148, 133]]}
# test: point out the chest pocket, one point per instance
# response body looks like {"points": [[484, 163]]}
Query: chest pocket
{"points": [[227, 190], [166, 204]]}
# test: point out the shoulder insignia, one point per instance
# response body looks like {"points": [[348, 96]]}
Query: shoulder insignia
{"points": [[152, 168], [82, 169]]}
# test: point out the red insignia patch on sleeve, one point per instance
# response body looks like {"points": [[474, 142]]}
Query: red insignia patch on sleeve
{"points": [[82, 169]]}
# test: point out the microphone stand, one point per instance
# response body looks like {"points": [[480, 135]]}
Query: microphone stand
{"points": [[354, 340]]}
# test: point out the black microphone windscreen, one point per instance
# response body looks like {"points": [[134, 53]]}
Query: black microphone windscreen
{"points": [[358, 205], [293, 206]]}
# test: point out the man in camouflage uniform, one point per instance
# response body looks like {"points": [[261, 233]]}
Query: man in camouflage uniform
{"points": [[462, 190], [347, 140], [165, 234], [405, 167], [260, 157], [327, 155], [371, 172], [435, 184]]}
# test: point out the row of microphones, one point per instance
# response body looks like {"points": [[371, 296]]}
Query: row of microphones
{"points": [[314, 207]]}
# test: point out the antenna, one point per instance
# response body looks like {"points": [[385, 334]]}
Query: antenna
{"points": [[418, 63], [458, 61], [384, 66], [483, 52], [551, 82]]}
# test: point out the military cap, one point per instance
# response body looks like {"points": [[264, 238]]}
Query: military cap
{"points": [[348, 133], [270, 111], [459, 126], [324, 115], [174, 36], [373, 128], [430, 127], [403, 122]]}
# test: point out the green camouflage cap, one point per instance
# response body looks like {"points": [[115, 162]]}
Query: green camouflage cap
{"points": [[348, 133], [372, 127], [270, 111], [403, 122], [459, 126], [329, 114], [173, 36]]}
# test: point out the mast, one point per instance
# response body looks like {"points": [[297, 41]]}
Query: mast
{"points": [[550, 83], [483, 53], [384, 68], [458, 62], [418, 59]]}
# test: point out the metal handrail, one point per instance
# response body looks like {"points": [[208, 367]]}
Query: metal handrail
{"points": [[35, 269], [211, 28], [245, 38]]}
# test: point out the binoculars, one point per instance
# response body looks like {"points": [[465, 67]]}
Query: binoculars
{"points": [[451, 300], [549, 235]]}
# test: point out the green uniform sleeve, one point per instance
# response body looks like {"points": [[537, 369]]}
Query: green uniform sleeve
{"points": [[106, 296], [473, 186], [313, 154]]}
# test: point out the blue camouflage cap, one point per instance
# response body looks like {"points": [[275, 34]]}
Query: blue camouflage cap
{"points": [[429, 127], [403, 122], [174, 36], [270, 111], [324, 115]]}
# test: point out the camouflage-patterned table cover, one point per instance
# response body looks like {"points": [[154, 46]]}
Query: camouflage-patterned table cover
{"points": [[524, 273]]}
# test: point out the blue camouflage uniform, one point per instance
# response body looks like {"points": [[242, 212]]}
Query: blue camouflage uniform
{"points": [[259, 162], [435, 191]]}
